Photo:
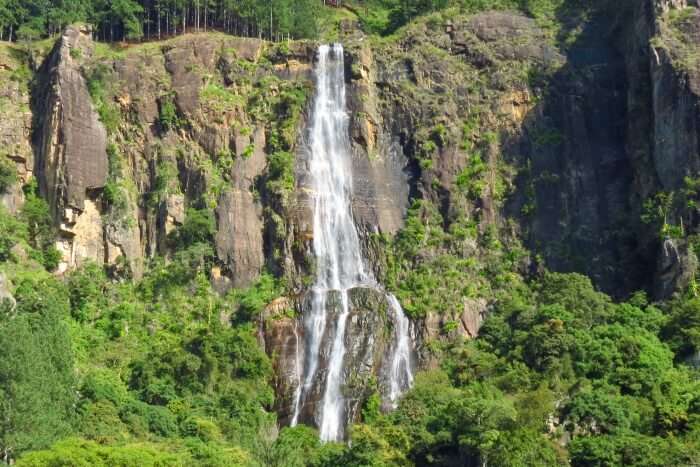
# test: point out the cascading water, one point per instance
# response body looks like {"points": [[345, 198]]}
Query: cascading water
{"points": [[339, 262], [401, 376]]}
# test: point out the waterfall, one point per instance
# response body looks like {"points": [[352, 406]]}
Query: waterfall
{"points": [[339, 262], [400, 377]]}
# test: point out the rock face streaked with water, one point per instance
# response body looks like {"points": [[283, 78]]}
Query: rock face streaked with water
{"points": [[324, 361]]}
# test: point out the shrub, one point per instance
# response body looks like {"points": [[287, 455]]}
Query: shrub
{"points": [[8, 174], [167, 114]]}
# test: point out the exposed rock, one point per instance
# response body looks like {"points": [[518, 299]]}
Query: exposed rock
{"points": [[239, 236], [185, 62], [71, 150], [472, 317], [380, 181], [172, 212], [15, 125], [246, 48], [71, 141], [675, 91], [13, 199], [675, 268], [510, 36], [282, 337], [221, 284], [6, 292], [81, 236], [367, 340]]}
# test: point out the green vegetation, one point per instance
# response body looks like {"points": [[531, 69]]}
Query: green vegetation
{"points": [[555, 360], [135, 19], [668, 212], [30, 234], [98, 80], [386, 16], [220, 99], [167, 114], [676, 40], [8, 174], [170, 373], [38, 405], [160, 375]]}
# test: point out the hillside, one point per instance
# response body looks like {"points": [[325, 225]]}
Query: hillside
{"points": [[523, 182]]}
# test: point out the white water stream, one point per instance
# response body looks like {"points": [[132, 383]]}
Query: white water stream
{"points": [[339, 262]]}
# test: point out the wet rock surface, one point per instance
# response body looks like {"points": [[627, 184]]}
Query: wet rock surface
{"points": [[368, 339]]}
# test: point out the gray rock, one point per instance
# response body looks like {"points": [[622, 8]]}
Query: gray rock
{"points": [[239, 236], [367, 339], [6, 292], [71, 140], [676, 265]]}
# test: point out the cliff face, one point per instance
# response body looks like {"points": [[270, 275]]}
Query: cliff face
{"points": [[571, 142], [127, 140], [16, 124]]}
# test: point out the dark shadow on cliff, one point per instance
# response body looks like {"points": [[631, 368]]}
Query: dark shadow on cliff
{"points": [[576, 192]]}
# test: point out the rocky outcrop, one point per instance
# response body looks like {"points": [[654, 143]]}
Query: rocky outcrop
{"points": [[190, 121], [668, 159], [71, 140], [6, 297], [15, 125], [71, 152], [675, 269]]}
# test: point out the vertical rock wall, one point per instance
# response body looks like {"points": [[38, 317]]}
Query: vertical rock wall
{"points": [[71, 151]]}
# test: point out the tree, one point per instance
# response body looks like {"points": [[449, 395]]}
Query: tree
{"points": [[127, 13], [683, 328], [37, 388]]}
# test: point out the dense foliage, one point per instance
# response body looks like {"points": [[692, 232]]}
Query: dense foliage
{"points": [[136, 19], [168, 372], [274, 19]]}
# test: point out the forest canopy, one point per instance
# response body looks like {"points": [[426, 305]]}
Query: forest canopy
{"points": [[118, 20]]}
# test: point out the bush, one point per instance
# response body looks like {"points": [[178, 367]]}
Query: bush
{"points": [[199, 227], [8, 174], [167, 114], [97, 79]]}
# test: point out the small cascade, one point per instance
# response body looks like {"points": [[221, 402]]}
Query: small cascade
{"points": [[333, 401], [297, 372], [339, 263], [401, 376]]}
